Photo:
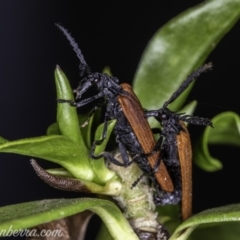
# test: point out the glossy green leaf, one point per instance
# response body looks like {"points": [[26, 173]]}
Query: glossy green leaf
{"points": [[226, 131], [3, 140], [63, 180], [54, 148], [113, 187], [189, 108], [53, 129], [169, 216], [103, 234], [98, 165], [107, 70], [31, 214], [230, 213], [59, 172], [86, 128], [220, 231], [179, 47], [98, 136], [67, 118], [88, 122]]}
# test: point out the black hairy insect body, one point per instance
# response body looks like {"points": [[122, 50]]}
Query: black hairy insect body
{"points": [[175, 143], [112, 95]]}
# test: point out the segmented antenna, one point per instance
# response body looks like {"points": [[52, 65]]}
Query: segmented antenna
{"points": [[196, 120], [83, 67], [188, 81]]}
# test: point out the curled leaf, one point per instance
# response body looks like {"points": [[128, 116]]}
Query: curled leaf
{"points": [[112, 188], [226, 131], [230, 213]]}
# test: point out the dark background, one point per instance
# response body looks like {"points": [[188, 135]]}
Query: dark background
{"points": [[109, 34]]}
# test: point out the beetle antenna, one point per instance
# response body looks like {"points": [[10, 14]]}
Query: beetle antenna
{"points": [[83, 65], [206, 67]]}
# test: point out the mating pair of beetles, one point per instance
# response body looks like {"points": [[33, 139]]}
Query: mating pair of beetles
{"points": [[167, 162]]}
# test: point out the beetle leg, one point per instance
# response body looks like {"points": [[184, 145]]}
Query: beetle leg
{"points": [[88, 100], [81, 103], [124, 154], [134, 184], [91, 113], [122, 149], [110, 158], [71, 102], [113, 160]]}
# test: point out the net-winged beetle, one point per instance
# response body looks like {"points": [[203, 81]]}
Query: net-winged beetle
{"points": [[175, 142], [114, 97], [143, 141]]}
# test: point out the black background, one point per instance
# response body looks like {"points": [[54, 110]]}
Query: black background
{"points": [[110, 34]]}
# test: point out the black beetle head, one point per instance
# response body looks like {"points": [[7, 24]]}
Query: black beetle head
{"points": [[99, 80], [93, 79], [164, 114]]}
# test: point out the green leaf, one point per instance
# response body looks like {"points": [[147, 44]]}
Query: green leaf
{"points": [[59, 172], [103, 234], [169, 216], [3, 140], [179, 47], [53, 129], [220, 231], [65, 181], [189, 108], [31, 214], [98, 136], [99, 165], [67, 118], [226, 131], [85, 131], [86, 128], [107, 70], [55, 148], [230, 213]]}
